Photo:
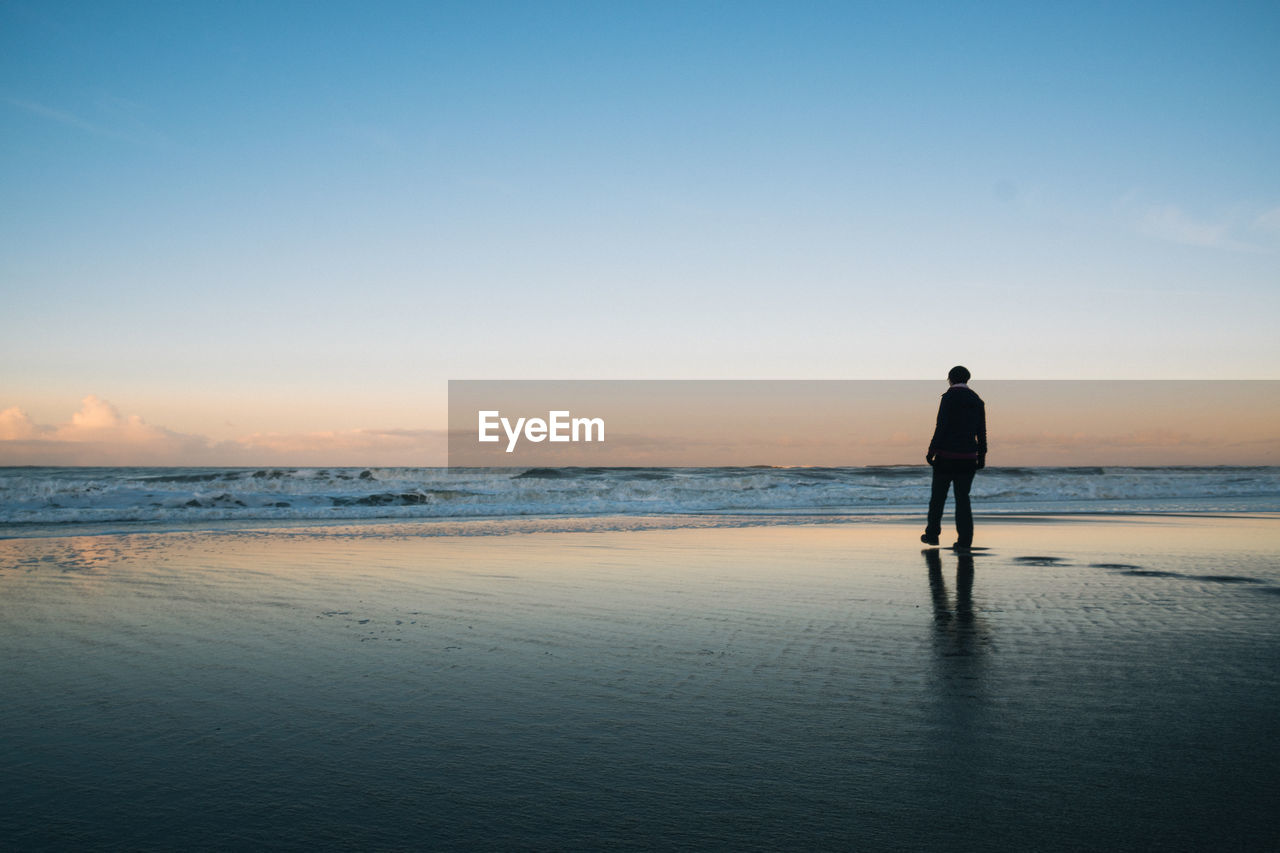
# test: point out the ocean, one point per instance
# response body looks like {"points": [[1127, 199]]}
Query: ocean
{"points": [[36, 501]]}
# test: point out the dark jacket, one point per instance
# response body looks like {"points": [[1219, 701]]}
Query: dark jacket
{"points": [[961, 432]]}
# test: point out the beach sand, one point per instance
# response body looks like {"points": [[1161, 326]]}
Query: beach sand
{"points": [[1086, 683]]}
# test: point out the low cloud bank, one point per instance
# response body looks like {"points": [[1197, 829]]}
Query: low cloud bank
{"points": [[98, 434]]}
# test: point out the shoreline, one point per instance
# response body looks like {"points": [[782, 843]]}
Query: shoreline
{"points": [[574, 523]]}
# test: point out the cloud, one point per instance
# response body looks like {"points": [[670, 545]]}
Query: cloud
{"points": [[1154, 446], [369, 446], [117, 111], [99, 422], [98, 419], [59, 116], [16, 425], [1171, 223], [1268, 222], [1240, 232], [98, 434], [1137, 438]]}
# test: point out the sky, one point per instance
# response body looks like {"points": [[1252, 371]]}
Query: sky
{"points": [[273, 231]]}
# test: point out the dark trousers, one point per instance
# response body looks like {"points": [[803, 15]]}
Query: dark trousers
{"points": [[947, 473]]}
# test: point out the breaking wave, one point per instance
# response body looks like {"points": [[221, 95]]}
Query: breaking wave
{"points": [[45, 496]]}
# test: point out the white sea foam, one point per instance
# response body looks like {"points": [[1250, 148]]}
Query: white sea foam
{"points": [[51, 496]]}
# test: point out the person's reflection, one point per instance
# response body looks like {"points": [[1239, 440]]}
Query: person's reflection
{"points": [[958, 632], [960, 758]]}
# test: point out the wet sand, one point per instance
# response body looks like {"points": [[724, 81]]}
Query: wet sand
{"points": [[1086, 683]]}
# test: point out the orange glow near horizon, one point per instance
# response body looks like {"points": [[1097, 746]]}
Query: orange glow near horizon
{"points": [[744, 422], [837, 423]]}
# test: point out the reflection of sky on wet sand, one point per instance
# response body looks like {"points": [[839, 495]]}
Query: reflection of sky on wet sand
{"points": [[1106, 682]]}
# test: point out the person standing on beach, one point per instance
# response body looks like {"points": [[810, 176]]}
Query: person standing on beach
{"points": [[956, 452]]}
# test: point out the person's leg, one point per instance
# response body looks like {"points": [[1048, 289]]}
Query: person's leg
{"points": [[938, 497], [962, 477]]}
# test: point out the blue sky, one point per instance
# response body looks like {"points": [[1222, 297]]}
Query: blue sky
{"points": [[243, 219]]}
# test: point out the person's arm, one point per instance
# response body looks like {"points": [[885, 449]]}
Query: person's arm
{"points": [[938, 431], [982, 435]]}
